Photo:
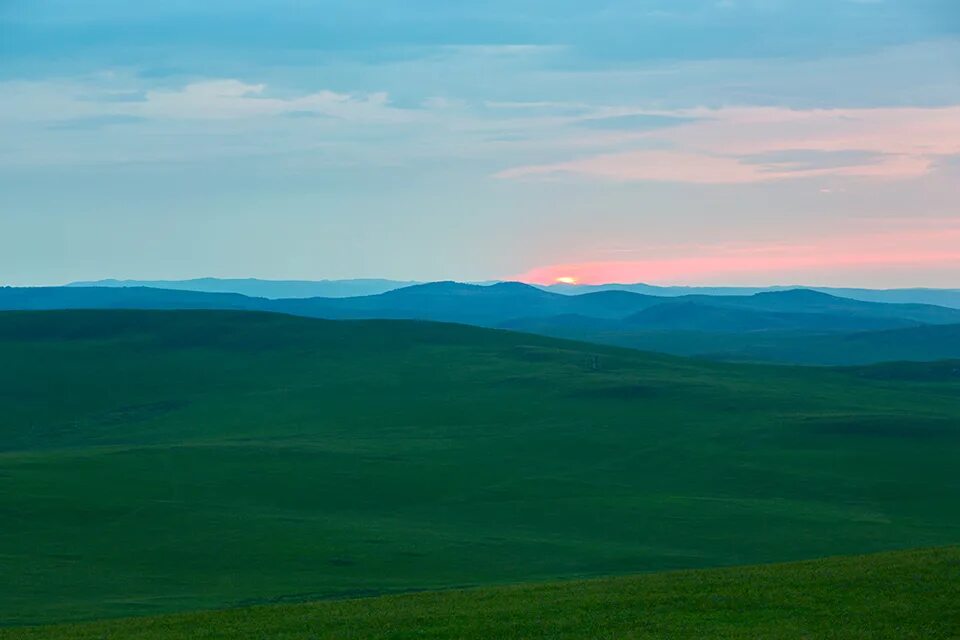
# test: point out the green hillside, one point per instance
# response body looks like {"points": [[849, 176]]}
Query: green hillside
{"points": [[168, 461], [824, 348], [895, 596]]}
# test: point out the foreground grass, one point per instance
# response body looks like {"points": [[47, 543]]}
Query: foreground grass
{"points": [[901, 595], [156, 462]]}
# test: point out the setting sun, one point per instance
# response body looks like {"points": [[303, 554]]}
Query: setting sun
{"points": [[567, 280]]}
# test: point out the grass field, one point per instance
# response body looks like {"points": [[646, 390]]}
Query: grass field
{"points": [[156, 462], [897, 596]]}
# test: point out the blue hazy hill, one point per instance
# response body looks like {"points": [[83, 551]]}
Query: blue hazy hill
{"points": [[917, 295], [258, 288], [796, 326], [276, 289]]}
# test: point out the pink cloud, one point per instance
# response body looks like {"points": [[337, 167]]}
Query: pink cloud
{"points": [[651, 165], [670, 166], [720, 146]]}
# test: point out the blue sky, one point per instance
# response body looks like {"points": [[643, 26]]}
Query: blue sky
{"points": [[714, 141]]}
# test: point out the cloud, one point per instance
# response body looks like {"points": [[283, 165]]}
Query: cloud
{"points": [[544, 134], [812, 160], [40, 122], [667, 166], [699, 168], [93, 123], [230, 98], [54, 102], [760, 144], [634, 122]]}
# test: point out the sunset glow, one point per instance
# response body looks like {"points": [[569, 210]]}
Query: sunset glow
{"points": [[895, 254]]}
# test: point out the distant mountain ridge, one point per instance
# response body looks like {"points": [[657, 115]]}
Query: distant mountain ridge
{"points": [[941, 297], [258, 288], [505, 302], [765, 326], [277, 289]]}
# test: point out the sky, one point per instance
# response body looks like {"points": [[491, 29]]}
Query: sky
{"points": [[745, 142]]}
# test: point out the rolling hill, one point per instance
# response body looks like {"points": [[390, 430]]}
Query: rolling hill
{"points": [[482, 305], [161, 461], [275, 289], [506, 302], [807, 301], [698, 315], [257, 288], [792, 326], [493, 305], [926, 343], [787, 346], [51, 298], [890, 596], [939, 297]]}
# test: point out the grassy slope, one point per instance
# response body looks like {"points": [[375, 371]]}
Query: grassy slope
{"points": [[166, 461], [928, 343], [899, 596]]}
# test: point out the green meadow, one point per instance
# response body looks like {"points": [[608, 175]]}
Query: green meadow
{"points": [[156, 462], [896, 596]]}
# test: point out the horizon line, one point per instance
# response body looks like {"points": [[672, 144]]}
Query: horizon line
{"points": [[488, 282]]}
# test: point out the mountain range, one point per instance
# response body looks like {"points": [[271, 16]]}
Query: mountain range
{"points": [[799, 326], [276, 289], [263, 288]]}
